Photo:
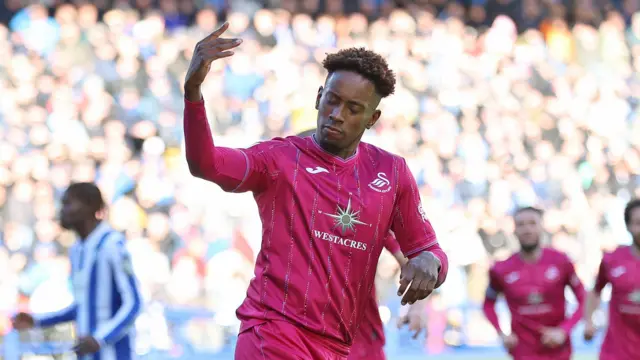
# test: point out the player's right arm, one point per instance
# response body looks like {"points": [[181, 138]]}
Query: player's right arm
{"points": [[67, 314], [231, 169], [25, 321], [494, 290], [593, 299], [491, 297]]}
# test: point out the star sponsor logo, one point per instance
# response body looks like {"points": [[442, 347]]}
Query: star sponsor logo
{"points": [[345, 218], [345, 221], [535, 298], [634, 297]]}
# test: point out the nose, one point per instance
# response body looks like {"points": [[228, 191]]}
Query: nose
{"points": [[336, 115]]}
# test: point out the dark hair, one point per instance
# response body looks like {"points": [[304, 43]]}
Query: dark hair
{"points": [[87, 193], [631, 205], [367, 63], [528, 208], [306, 133]]}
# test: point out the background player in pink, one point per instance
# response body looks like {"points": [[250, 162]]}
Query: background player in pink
{"points": [[621, 269], [533, 282], [370, 340], [326, 202]]}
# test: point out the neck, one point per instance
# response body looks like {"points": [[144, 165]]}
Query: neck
{"points": [[635, 248], [83, 230], [344, 153], [531, 256]]}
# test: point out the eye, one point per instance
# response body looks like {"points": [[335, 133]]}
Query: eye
{"points": [[332, 99]]}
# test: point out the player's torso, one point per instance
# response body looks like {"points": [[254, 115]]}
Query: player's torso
{"points": [[623, 334], [324, 224], [371, 330], [623, 271], [535, 291]]}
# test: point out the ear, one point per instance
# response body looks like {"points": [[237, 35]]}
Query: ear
{"points": [[374, 119], [318, 97]]}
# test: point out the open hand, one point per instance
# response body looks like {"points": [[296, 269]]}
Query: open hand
{"points": [[553, 337], [206, 51], [509, 341], [415, 319], [23, 321], [420, 277]]}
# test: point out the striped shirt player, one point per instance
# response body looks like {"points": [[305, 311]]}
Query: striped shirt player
{"points": [[106, 297], [325, 220]]}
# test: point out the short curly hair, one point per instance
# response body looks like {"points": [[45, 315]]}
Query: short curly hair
{"points": [[365, 62]]}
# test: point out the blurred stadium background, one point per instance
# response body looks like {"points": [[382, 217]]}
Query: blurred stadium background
{"points": [[500, 103]]}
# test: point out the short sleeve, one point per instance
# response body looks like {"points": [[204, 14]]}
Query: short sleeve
{"points": [[410, 224], [260, 160], [602, 279], [495, 284]]}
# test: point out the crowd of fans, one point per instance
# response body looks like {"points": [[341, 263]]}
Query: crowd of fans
{"points": [[489, 112]]}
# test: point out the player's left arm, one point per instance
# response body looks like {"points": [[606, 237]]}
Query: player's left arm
{"points": [[392, 246], [428, 264], [573, 281], [127, 286]]}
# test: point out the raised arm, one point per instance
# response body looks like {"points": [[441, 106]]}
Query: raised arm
{"points": [[428, 265], [233, 170]]}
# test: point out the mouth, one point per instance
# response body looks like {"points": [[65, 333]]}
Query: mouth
{"points": [[332, 130]]}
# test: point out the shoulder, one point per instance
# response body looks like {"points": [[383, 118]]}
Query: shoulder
{"points": [[115, 243], [619, 253], [502, 267], [380, 156], [274, 144], [557, 257]]}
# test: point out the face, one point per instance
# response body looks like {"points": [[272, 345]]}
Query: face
{"points": [[634, 226], [528, 230], [73, 212], [346, 108]]}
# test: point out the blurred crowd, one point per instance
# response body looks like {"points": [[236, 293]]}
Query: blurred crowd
{"points": [[499, 104]]}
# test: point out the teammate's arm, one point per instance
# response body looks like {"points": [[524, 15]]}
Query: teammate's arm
{"points": [[126, 284], [556, 336], [491, 297], [578, 290], [428, 264], [593, 300], [415, 317], [231, 169], [494, 290]]}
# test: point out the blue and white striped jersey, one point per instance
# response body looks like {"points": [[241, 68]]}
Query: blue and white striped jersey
{"points": [[106, 297]]}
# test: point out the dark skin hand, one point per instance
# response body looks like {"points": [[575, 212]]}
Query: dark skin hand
{"points": [[419, 277], [23, 321], [207, 51], [86, 345]]}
